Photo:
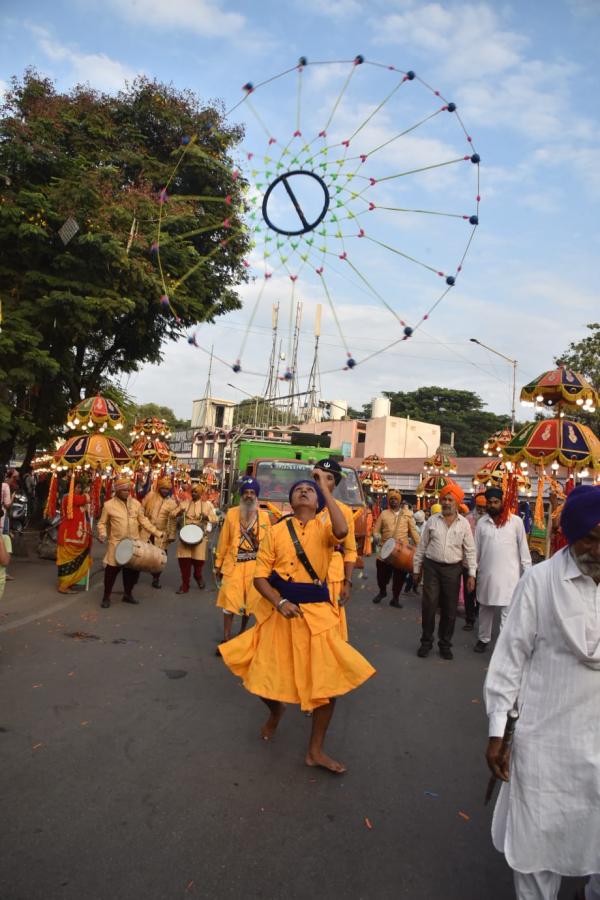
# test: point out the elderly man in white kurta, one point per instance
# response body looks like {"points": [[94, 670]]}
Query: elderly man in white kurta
{"points": [[502, 557], [547, 662]]}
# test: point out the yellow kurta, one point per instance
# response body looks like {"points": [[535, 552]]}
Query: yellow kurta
{"points": [[336, 572], [237, 593], [300, 660], [158, 509], [122, 519], [399, 525], [195, 512]]}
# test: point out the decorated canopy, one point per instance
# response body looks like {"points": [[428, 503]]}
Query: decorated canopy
{"points": [[561, 386], [151, 426], [443, 462], [371, 476], [95, 413], [151, 452], [497, 442], [493, 473], [555, 441], [431, 485], [94, 451]]}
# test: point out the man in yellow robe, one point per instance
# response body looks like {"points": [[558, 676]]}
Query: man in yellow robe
{"points": [[343, 559], [398, 523], [196, 511], [122, 517], [243, 530], [295, 653], [158, 506]]}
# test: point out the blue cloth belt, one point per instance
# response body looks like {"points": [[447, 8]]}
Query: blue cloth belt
{"points": [[298, 592]]}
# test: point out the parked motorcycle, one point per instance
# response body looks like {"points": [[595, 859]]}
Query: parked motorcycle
{"points": [[19, 513]]}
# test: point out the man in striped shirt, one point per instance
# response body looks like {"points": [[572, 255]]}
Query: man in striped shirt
{"points": [[446, 541]]}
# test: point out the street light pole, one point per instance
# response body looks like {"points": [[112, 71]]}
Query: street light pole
{"points": [[514, 364], [424, 444]]}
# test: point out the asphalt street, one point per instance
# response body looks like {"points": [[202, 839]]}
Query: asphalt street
{"points": [[132, 765]]}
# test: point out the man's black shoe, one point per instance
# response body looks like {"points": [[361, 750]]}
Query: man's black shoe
{"points": [[396, 603], [105, 602], [423, 651], [446, 653], [127, 598], [200, 584], [480, 647], [468, 626], [156, 584], [379, 597]]}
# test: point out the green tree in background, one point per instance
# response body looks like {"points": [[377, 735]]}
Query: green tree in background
{"points": [[458, 412], [75, 317]]}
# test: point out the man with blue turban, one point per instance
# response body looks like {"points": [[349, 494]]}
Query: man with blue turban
{"points": [[547, 664]]}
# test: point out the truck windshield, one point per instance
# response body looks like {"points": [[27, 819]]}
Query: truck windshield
{"points": [[277, 476]]}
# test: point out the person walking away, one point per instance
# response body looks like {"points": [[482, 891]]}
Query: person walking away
{"points": [[471, 605], [546, 663], [295, 653], [398, 524], [158, 506], [74, 539], [343, 559], [244, 528], [502, 557], [122, 517], [196, 511], [445, 542]]}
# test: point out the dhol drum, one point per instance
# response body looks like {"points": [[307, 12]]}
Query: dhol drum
{"points": [[398, 554], [191, 535], [139, 555]]}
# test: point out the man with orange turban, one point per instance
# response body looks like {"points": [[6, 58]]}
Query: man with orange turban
{"points": [[445, 542], [399, 524], [158, 505], [122, 517]]}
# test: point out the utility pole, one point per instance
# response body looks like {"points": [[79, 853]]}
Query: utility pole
{"points": [[314, 378]]}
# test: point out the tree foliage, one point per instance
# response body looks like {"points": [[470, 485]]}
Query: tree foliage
{"points": [[457, 412], [76, 316]]}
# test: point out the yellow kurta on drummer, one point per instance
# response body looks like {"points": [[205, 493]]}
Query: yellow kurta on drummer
{"points": [[158, 509], [195, 512], [237, 593], [123, 519]]}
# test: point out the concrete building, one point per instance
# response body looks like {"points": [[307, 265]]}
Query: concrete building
{"points": [[211, 412]]}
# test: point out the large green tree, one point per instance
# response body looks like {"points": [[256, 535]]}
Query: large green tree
{"points": [[457, 412], [78, 315]]}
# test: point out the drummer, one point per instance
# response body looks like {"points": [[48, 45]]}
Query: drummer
{"points": [[397, 523], [344, 556], [122, 517], [243, 530], [157, 505], [201, 513]]}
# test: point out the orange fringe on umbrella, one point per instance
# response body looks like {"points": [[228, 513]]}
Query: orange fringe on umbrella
{"points": [[71, 496], [51, 502], [538, 513], [95, 496], [511, 498]]}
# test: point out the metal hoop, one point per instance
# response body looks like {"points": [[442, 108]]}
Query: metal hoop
{"points": [[307, 226]]}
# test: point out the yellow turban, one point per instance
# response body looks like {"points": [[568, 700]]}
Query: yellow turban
{"points": [[394, 493], [164, 482], [435, 508], [122, 484]]}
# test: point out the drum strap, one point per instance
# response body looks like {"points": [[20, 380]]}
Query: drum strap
{"points": [[301, 554]]}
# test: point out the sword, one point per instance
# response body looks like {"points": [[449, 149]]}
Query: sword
{"points": [[507, 739]]}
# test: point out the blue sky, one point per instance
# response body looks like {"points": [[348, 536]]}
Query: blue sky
{"points": [[525, 81]]}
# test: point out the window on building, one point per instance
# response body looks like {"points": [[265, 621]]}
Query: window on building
{"points": [[219, 416]]}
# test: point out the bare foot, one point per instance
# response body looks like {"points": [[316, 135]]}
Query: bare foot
{"points": [[270, 726], [326, 762]]}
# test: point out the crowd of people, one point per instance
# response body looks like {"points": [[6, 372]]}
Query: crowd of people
{"points": [[294, 574]]}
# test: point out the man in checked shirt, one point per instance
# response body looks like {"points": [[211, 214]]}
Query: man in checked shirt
{"points": [[445, 542]]}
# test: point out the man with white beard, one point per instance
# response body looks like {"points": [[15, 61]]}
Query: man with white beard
{"points": [[244, 528], [547, 663]]}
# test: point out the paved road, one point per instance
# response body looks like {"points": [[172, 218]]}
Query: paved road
{"points": [[132, 768]]}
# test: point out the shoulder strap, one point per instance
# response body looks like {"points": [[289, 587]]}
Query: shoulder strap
{"points": [[300, 552]]}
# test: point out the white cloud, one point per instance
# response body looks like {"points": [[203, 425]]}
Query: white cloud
{"points": [[204, 17], [333, 9], [98, 69]]}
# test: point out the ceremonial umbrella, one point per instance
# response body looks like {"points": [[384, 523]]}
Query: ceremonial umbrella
{"points": [[443, 462], [152, 426], [95, 412], [555, 441], [561, 386], [370, 475], [431, 485], [495, 472], [151, 452], [92, 451], [497, 442]]}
